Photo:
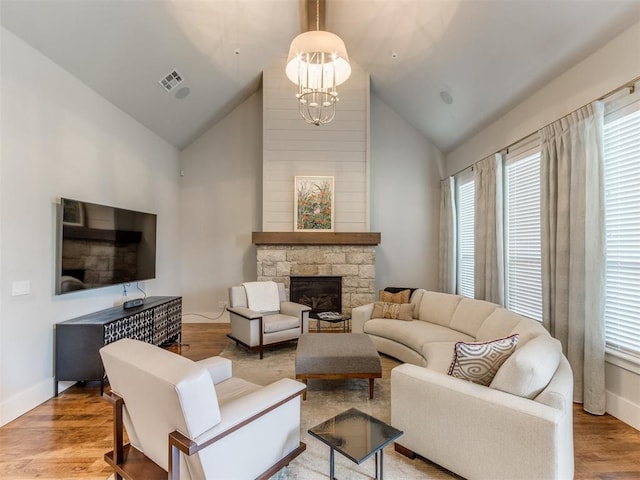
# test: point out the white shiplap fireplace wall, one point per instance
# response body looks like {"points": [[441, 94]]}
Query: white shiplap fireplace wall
{"points": [[339, 149]]}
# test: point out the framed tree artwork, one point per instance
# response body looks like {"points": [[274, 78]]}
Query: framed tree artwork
{"points": [[313, 204]]}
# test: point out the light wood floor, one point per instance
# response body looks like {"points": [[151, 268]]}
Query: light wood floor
{"points": [[66, 437]]}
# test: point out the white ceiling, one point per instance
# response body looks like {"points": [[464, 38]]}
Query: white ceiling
{"points": [[487, 54]]}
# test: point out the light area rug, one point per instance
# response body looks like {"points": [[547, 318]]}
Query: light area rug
{"points": [[325, 399]]}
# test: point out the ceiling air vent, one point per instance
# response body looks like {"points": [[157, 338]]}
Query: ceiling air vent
{"points": [[171, 80]]}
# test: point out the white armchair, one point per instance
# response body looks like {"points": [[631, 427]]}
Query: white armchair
{"points": [[194, 420], [267, 318]]}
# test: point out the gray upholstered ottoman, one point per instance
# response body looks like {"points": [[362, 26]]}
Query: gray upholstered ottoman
{"points": [[337, 356]]}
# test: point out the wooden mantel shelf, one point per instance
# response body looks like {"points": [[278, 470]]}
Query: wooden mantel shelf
{"points": [[315, 238]]}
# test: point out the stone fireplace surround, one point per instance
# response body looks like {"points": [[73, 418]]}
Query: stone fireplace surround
{"points": [[351, 256]]}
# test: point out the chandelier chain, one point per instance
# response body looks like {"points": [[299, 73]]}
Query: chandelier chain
{"points": [[317, 15]]}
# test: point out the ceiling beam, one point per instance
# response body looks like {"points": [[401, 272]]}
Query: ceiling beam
{"points": [[308, 14]]}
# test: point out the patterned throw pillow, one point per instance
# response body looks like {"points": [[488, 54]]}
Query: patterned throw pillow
{"points": [[399, 311], [400, 297], [479, 362]]}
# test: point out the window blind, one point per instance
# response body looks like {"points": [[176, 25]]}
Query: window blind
{"points": [[622, 224], [523, 258], [466, 243]]}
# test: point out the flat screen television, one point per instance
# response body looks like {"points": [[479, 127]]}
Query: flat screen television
{"points": [[99, 246]]}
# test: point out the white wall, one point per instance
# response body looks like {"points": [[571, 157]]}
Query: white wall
{"points": [[221, 205], [405, 201], [611, 66], [59, 138], [338, 149]]}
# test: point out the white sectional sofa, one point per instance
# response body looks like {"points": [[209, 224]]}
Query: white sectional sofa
{"points": [[518, 427]]}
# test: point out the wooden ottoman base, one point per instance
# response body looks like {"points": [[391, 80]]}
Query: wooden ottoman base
{"points": [[333, 356]]}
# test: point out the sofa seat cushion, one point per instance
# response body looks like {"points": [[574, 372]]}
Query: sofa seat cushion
{"points": [[233, 388], [278, 322], [413, 333], [529, 370]]}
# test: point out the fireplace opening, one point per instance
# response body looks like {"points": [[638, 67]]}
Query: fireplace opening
{"points": [[322, 294]]}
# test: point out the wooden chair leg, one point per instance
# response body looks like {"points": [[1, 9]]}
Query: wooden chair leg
{"points": [[174, 462], [118, 433], [404, 451]]}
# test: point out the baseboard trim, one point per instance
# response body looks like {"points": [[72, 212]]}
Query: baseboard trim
{"points": [[24, 401], [623, 409], [206, 317]]}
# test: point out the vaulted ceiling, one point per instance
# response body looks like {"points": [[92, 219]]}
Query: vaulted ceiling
{"points": [[486, 54]]}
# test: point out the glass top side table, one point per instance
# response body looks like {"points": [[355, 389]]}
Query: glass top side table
{"points": [[331, 317], [357, 436]]}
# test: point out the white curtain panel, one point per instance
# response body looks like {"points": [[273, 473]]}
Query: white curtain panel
{"points": [[573, 247], [489, 238], [447, 258]]}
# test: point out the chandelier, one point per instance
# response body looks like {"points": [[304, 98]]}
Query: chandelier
{"points": [[317, 63]]}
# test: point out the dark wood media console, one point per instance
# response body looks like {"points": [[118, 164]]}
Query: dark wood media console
{"points": [[157, 321]]}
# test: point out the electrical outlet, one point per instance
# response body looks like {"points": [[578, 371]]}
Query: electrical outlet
{"points": [[222, 304]]}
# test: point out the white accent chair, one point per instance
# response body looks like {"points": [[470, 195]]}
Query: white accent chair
{"points": [[194, 420], [255, 330]]}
